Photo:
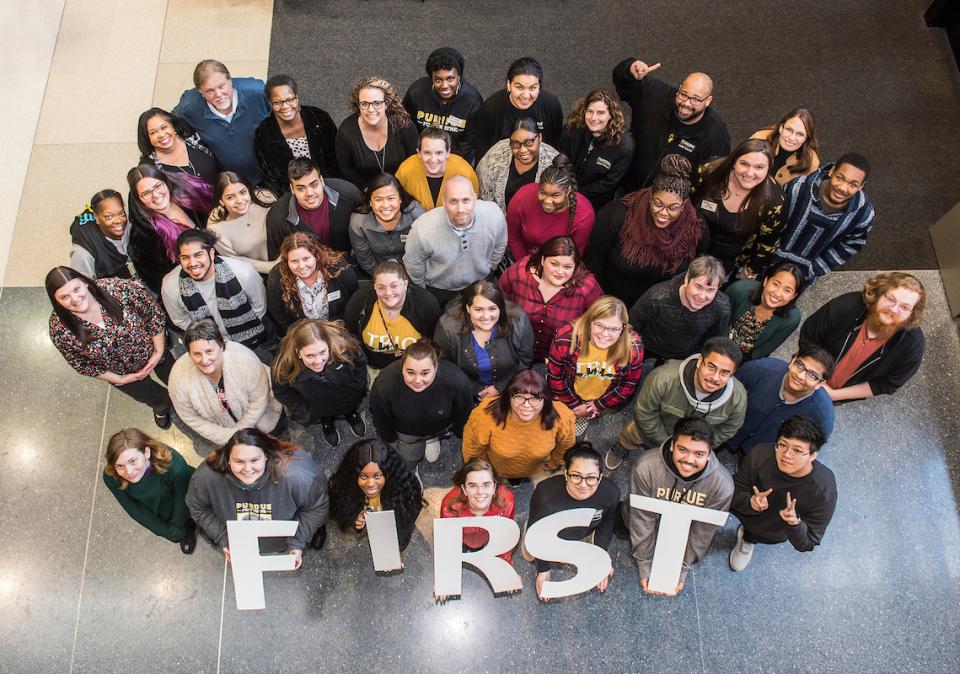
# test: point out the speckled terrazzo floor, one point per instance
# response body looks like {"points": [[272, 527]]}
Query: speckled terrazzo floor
{"points": [[81, 584]]}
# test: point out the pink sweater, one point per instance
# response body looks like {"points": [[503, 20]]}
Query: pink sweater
{"points": [[528, 226]]}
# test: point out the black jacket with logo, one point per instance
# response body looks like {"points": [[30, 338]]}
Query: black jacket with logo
{"points": [[658, 132], [600, 170]]}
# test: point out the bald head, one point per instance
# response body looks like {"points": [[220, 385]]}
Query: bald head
{"points": [[459, 199], [694, 97]]}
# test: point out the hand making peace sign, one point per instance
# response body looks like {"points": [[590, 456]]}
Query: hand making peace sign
{"points": [[789, 514]]}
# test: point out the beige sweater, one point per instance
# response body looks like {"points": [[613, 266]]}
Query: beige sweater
{"points": [[246, 381]]}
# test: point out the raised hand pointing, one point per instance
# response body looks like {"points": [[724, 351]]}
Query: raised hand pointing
{"points": [[639, 69], [759, 499]]}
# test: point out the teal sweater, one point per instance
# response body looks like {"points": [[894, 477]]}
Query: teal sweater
{"points": [[157, 501], [776, 330]]}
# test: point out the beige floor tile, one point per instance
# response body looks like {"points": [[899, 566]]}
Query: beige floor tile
{"points": [[27, 42], [235, 30], [103, 71], [60, 180], [173, 78]]}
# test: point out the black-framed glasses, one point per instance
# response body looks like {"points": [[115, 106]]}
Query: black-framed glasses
{"points": [[813, 377], [684, 96], [517, 144], [528, 400], [376, 105], [277, 105], [577, 478]]}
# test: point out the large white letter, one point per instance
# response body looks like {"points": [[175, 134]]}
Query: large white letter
{"points": [[448, 554], [592, 562], [672, 534], [384, 543], [247, 562]]}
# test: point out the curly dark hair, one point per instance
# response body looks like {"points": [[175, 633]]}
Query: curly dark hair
{"points": [[328, 262], [613, 134], [396, 114], [401, 493]]}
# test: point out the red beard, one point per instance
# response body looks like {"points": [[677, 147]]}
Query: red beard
{"points": [[879, 329]]}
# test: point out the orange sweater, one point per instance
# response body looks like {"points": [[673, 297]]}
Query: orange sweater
{"points": [[520, 448]]}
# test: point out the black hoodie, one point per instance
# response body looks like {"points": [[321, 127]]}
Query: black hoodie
{"points": [[458, 116]]}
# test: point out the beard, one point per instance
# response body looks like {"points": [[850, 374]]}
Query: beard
{"points": [[881, 330]]}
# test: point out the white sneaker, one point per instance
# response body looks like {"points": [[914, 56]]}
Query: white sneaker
{"points": [[742, 552], [431, 450]]}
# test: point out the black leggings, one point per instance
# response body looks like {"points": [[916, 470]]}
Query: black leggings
{"points": [[148, 391]]}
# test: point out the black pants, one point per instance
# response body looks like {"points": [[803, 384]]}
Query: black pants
{"points": [[443, 296], [148, 391]]}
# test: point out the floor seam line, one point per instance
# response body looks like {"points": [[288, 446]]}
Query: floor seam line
{"points": [[223, 599], [696, 601], [86, 550]]}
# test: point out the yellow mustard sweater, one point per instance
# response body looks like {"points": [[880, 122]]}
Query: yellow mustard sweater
{"points": [[413, 176], [518, 449]]}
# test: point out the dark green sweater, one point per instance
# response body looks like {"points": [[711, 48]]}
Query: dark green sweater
{"points": [[157, 501]]}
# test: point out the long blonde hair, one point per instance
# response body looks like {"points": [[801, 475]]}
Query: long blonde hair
{"points": [[606, 306], [343, 347], [134, 438]]}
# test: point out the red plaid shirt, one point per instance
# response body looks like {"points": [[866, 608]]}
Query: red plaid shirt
{"points": [[562, 367], [520, 286]]}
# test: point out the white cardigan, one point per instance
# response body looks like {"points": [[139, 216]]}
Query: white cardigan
{"points": [[246, 381]]}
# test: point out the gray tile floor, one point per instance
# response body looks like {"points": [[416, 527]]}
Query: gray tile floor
{"points": [[83, 588]]}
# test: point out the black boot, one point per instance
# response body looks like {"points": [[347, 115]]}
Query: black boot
{"points": [[189, 541], [319, 538]]}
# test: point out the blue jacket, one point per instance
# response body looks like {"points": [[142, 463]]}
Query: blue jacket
{"points": [[232, 143], [766, 408]]}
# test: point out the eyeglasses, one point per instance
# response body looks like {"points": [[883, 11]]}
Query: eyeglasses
{"points": [[713, 369], [528, 400], [658, 205], [380, 288], [894, 306], [276, 105], [482, 486], [684, 96], [790, 132], [517, 144], [804, 370], [789, 451], [376, 105], [577, 478], [156, 189], [607, 329]]}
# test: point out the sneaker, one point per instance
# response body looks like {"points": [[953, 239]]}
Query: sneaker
{"points": [[189, 541], [162, 419], [742, 552], [582, 423], [357, 427], [319, 538], [330, 433], [614, 457], [431, 450]]}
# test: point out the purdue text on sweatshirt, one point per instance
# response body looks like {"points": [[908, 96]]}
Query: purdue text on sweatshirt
{"points": [[300, 494], [654, 475]]}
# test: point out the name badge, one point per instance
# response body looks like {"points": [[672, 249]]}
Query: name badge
{"points": [[708, 206], [603, 162], [686, 145], [403, 238], [335, 295]]}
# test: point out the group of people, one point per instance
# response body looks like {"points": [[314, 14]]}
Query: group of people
{"points": [[485, 269]]}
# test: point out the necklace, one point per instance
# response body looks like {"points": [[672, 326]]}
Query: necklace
{"points": [[380, 162]]}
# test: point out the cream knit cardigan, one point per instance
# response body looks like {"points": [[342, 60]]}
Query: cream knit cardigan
{"points": [[246, 381]]}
